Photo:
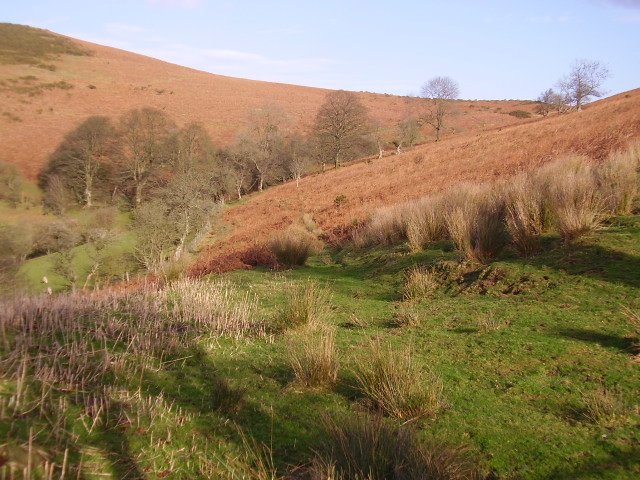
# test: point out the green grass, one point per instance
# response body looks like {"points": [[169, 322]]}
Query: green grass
{"points": [[535, 356]]}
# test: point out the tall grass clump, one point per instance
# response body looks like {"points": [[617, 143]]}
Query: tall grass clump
{"points": [[313, 357], [306, 303], [617, 179], [426, 222], [577, 203], [395, 385], [369, 448], [475, 221], [420, 282], [387, 226], [527, 212], [293, 247]]}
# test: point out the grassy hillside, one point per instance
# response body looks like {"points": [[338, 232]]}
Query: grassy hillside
{"points": [[528, 364], [53, 101]]}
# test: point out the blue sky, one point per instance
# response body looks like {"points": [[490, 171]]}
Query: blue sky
{"points": [[494, 49]]}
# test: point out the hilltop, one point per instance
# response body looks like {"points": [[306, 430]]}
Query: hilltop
{"points": [[47, 94]]}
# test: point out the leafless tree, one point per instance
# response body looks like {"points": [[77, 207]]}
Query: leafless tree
{"points": [[145, 133], [439, 92], [340, 123], [584, 81]]}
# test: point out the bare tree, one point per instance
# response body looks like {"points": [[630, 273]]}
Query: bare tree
{"points": [[11, 183], [340, 123], [145, 135], [551, 100], [439, 92], [584, 81], [406, 134]]}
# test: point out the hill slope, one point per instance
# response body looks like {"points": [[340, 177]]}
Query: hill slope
{"points": [[43, 101], [602, 127]]}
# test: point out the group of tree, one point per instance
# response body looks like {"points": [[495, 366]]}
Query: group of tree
{"points": [[571, 92]]}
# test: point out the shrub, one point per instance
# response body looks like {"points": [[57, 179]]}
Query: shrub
{"points": [[576, 202], [312, 355], [395, 385], [520, 114], [368, 448], [618, 180], [293, 246], [307, 303], [56, 236], [475, 222], [527, 212]]}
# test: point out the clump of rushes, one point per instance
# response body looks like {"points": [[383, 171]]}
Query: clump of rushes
{"points": [[618, 180], [307, 303], [577, 204], [293, 247], [426, 222], [527, 212], [420, 282], [312, 355], [393, 383], [369, 448], [475, 222]]}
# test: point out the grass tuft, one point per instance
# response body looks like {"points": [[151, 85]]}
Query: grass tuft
{"points": [[312, 355], [395, 385], [292, 247], [308, 303], [369, 448]]}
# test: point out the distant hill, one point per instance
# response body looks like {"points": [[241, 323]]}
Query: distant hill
{"points": [[50, 83]]}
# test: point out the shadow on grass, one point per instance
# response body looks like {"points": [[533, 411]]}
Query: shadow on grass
{"points": [[620, 464], [603, 339]]}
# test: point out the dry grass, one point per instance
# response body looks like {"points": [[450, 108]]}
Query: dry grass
{"points": [[362, 447], [313, 357], [292, 247], [618, 179], [475, 221], [394, 385], [577, 204], [527, 212], [426, 222]]}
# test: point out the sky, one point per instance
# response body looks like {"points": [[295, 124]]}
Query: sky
{"points": [[494, 49]]}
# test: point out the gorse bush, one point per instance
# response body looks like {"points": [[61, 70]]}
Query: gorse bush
{"points": [[306, 303], [312, 355], [369, 448], [390, 379], [292, 247]]}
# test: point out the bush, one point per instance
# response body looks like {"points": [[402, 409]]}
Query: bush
{"points": [[312, 355], [368, 448], [56, 236], [520, 114], [307, 303], [475, 222], [292, 247], [395, 385]]}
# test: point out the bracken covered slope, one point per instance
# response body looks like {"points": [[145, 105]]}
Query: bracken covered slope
{"points": [[600, 128]]}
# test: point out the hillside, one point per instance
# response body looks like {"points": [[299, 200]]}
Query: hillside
{"points": [[602, 127], [42, 102]]}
